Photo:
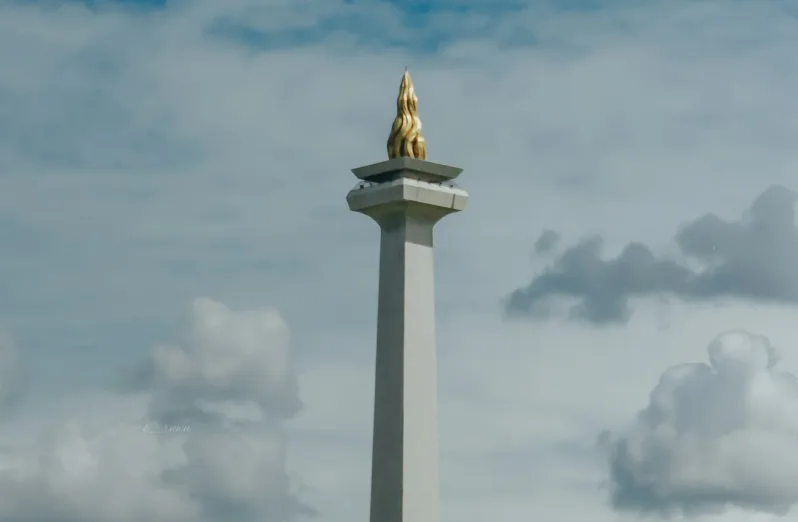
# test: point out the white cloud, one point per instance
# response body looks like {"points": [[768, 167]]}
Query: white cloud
{"points": [[717, 435], [79, 476], [165, 461], [227, 356]]}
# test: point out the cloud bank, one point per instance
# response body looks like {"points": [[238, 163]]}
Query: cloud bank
{"points": [[207, 445], [714, 436], [753, 258]]}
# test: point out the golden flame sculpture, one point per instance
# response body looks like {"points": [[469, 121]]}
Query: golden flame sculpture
{"points": [[406, 139]]}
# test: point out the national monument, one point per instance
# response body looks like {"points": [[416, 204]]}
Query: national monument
{"points": [[406, 195]]}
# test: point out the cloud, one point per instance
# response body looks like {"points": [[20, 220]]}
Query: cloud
{"points": [[546, 241], [753, 258], [714, 436], [227, 357], [79, 475], [207, 446]]}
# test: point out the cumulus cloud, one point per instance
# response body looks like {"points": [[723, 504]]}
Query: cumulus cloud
{"points": [[753, 258], [80, 475], [715, 435], [207, 446], [226, 357]]}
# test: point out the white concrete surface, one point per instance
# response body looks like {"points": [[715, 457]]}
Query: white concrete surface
{"points": [[404, 479]]}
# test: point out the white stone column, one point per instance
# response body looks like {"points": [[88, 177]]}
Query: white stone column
{"points": [[406, 197]]}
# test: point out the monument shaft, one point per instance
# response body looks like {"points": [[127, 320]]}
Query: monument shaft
{"points": [[406, 196], [404, 480], [404, 477]]}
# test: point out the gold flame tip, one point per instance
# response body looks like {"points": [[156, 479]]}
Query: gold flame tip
{"points": [[405, 139]]}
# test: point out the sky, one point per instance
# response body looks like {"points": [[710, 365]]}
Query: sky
{"points": [[188, 307]]}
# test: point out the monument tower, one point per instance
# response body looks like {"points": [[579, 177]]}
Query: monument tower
{"points": [[406, 196]]}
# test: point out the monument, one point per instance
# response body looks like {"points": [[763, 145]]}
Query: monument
{"points": [[406, 196]]}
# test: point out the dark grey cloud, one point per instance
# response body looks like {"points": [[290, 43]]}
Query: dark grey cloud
{"points": [[546, 242], [753, 258], [715, 435]]}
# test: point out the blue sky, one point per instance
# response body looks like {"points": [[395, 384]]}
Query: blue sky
{"points": [[178, 248]]}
